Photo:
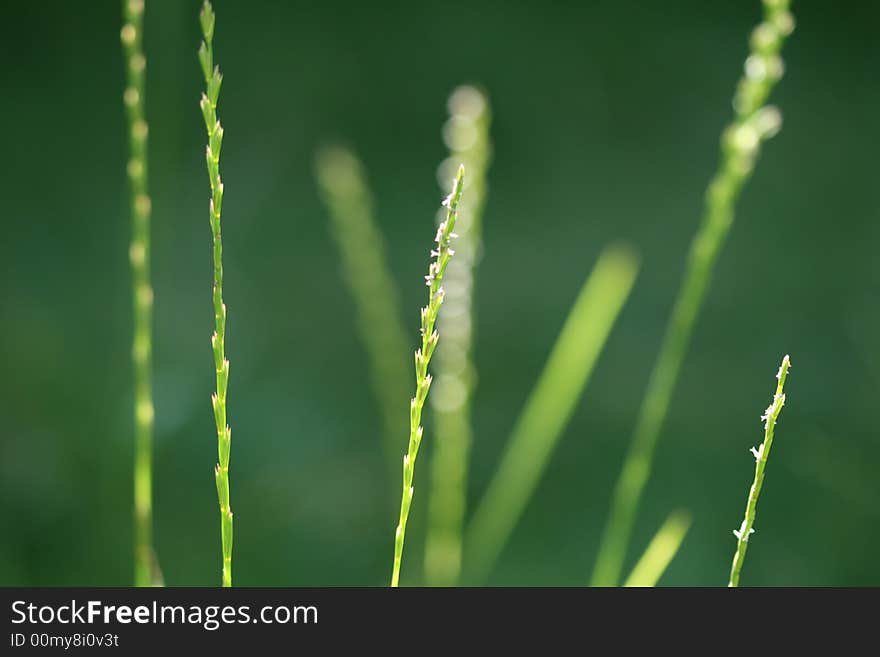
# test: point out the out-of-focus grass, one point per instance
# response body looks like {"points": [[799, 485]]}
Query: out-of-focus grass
{"points": [[753, 124], [548, 408], [466, 134], [660, 551], [146, 566], [375, 294]]}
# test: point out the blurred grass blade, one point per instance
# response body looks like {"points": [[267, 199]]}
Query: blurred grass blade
{"points": [[375, 294], [549, 407], [660, 551], [146, 566], [761, 454], [467, 136], [753, 124]]}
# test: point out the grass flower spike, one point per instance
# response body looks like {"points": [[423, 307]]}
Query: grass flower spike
{"points": [[146, 572], [213, 79], [433, 280], [761, 454], [753, 124]]}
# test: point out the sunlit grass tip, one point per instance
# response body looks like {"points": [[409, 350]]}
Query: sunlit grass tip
{"points": [[434, 279], [761, 454]]}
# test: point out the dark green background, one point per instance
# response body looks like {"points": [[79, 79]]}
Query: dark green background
{"points": [[607, 117]]}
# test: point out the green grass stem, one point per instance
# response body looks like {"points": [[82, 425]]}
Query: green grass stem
{"points": [[213, 80], [753, 124], [434, 280], [466, 134], [548, 408], [761, 454]]}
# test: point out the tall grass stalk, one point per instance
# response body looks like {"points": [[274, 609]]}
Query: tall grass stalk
{"points": [[660, 551], [429, 313], [466, 134], [375, 294], [213, 79], [548, 408], [761, 454], [146, 571], [741, 142]]}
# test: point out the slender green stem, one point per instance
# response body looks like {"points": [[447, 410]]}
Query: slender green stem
{"points": [[753, 123], [467, 135], [213, 79], [549, 407], [429, 313], [145, 572], [660, 551], [373, 289], [761, 454]]}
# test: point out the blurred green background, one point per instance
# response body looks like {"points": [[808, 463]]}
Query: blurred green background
{"points": [[607, 117]]}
